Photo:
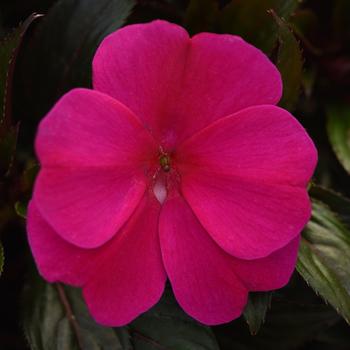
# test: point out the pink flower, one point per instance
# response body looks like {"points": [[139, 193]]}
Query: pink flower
{"points": [[177, 165]]}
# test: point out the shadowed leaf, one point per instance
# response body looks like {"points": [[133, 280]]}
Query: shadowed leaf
{"points": [[59, 56], [338, 128], [324, 255], [56, 317], [47, 326], [201, 15], [251, 20], [21, 209], [255, 311], [289, 324], [166, 326], [289, 63]]}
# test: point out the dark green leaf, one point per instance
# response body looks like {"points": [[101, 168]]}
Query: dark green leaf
{"points": [[324, 257], [256, 309], [201, 15], [251, 20], [59, 56], [335, 201], [289, 63], [166, 326], [288, 325], [47, 326], [336, 337], [56, 317], [338, 128], [21, 209]]}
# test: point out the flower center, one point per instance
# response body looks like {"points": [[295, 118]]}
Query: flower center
{"points": [[164, 161]]}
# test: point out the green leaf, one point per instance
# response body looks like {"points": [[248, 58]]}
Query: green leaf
{"points": [[56, 317], [47, 326], [338, 129], [201, 15], [255, 311], [289, 63], [335, 201], [251, 20], [289, 325], [166, 326], [324, 255], [21, 209], [60, 55]]}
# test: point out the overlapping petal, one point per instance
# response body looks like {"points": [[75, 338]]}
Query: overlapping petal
{"points": [[121, 279], [208, 283], [201, 273], [94, 155], [87, 128], [178, 85], [271, 272], [260, 143], [245, 177], [56, 259]]}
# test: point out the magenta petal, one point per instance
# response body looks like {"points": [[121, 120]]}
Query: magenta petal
{"points": [[94, 153], [178, 85], [261, 143], [268, 273], [249, 220], [140, 65], [122, 279], [132, 279], [201, 273], [88, 206], [88, 129], [57, 260], [245, 177], [223, 75]]}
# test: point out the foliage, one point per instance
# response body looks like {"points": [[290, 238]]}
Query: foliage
{"points": [[42, 57], [55, 317]]}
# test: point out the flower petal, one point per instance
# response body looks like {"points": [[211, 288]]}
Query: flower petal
{"points": [[201, 273], [87, 207], [122, 279], [140, 65], [178, 86], [261, 143], [88, 129], [56, 259], [94, 155], [269, 273], [248, 219], [245, 176], [223, 75], [133, 278]]}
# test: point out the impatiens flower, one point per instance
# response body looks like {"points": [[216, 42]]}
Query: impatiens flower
{"points": [[177, 165]]}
